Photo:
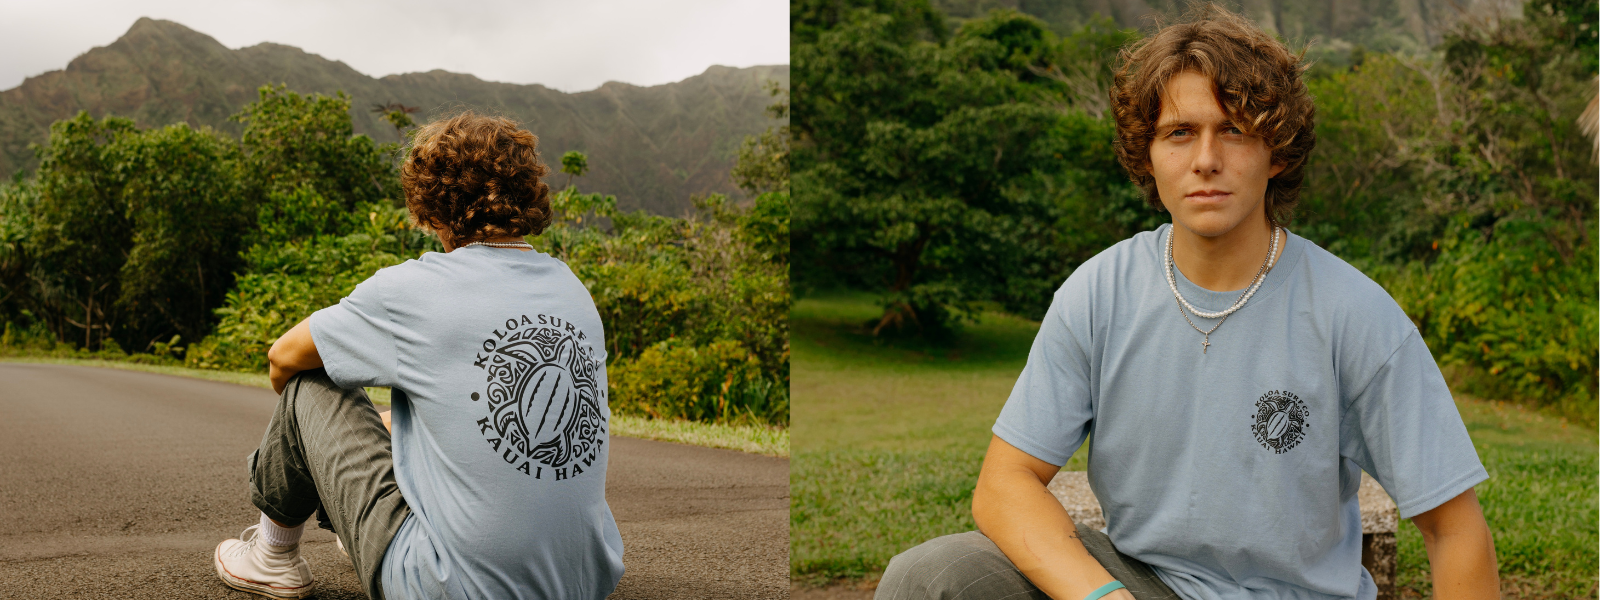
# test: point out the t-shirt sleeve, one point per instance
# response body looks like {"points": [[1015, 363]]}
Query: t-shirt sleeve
{"points": [[1404, 429], [1048, 413], [356, 338]]}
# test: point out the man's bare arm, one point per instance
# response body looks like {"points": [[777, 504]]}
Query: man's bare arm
{"points": [[1015, 510], [292, 353], [1460, 549]]}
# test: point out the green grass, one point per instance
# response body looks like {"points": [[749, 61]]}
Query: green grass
{"points": [[755, 439], [1540, 502], [771, 441], [891, 433], [890, 436]]}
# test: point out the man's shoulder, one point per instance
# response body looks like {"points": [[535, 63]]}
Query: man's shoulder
{"points": [[1364, 323], [1116, 264], [1340, 285]]}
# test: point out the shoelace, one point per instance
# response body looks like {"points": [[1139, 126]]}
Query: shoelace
{"points": [[247, 541]]}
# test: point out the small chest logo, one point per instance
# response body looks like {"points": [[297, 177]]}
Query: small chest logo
{"points": [[542, 396], [1280, 421]]}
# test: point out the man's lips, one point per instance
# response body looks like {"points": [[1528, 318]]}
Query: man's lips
{"points": [[1207, 195]]}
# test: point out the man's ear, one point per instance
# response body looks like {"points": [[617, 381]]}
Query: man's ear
{"points": [[1276, 169]]}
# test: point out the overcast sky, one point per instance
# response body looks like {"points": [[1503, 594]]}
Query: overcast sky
{"points": [[569, 45]]}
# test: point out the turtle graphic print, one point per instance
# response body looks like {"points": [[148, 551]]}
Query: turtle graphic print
{"points": [[543, 398], [1280, 421]]}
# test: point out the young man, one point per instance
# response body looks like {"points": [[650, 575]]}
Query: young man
{"points": [[1236, 378], [496, 357]]}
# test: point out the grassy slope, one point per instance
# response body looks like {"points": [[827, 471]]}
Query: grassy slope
{"points": [[891, 435], [771, 441]]}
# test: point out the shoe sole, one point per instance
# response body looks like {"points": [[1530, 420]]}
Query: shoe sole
{"points": [[245, 585]]}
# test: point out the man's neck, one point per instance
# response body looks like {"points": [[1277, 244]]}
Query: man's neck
{"points": [[1226, 262]]}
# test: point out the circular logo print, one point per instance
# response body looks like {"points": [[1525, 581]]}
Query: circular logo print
{"points": [[1280, 421], [543, 397]]}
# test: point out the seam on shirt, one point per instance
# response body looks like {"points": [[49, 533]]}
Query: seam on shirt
{"points": [[1034, 448], [1073, 335], [1444, 493], [1386, 362], [1094, 401], [388, 323]]}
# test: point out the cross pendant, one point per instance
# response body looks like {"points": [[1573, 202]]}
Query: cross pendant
{"points": [[1205, 346]]}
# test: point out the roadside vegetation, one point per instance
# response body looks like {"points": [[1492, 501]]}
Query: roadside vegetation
{"points": [[889, 436], [191, 250]]}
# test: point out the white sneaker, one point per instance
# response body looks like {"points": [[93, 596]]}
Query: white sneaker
{"points": [[248, 564]]}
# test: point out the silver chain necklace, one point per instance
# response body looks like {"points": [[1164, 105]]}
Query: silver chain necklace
{"points": [[1255, 284], [502, 244]]}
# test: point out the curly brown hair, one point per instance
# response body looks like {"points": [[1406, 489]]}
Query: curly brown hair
{"points": [[471, 177], [1258, 85]]}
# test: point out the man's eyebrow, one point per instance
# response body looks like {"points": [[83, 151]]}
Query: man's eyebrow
{"points": [[1163, 127]]}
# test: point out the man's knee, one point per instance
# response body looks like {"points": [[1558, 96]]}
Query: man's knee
{"points": [[951, 567], [313, 381], [313, 389]]}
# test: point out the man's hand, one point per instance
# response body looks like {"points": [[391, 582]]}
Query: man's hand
{"points": [[292, 353], [1460, 549], [1019, 514]]}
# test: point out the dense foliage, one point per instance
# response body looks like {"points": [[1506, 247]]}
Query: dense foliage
{"points": [[189, 245], [125, 237], [944, 168], [696, 309], [949, 172], [1461, 182]]}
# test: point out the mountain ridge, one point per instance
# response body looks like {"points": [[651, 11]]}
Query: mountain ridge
{"points": [[653, 147]]}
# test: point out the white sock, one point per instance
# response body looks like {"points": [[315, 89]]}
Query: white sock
{"points": [[279, 537]]}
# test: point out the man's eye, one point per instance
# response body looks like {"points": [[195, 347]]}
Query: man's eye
{"points": [[1234, 131]]}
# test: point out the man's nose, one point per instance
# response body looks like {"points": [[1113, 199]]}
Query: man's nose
{"points": [[1208, 156]]}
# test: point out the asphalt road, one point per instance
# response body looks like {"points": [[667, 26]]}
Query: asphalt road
{"points": [[119, 484]]}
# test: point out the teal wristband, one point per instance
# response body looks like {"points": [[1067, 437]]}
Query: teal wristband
{"points": [[1105, 589]]}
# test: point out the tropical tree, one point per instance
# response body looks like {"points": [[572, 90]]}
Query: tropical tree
{"points": [[396, 114], [305, 171], [938, 172], [763, 163], [574, 164], [126, 237]]}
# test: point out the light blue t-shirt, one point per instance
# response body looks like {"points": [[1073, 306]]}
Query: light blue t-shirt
{"points": [[1233, 470], [497, 359]]}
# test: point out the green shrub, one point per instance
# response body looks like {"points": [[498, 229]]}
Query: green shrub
{"points": [[30, 339], [285, 284], [1514, 315], [686, 287], [719, 382]]}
